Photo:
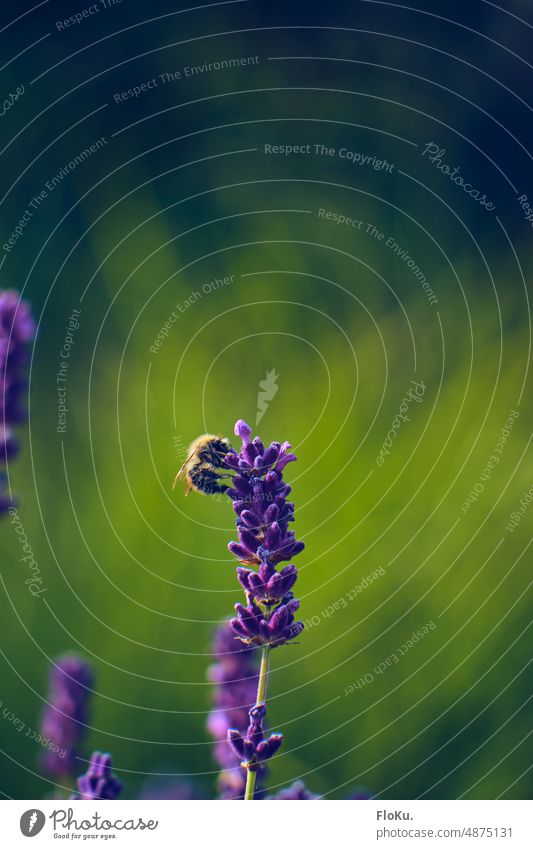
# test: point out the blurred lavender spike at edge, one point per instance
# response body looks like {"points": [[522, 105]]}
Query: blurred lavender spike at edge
{"points": [[65, 717], [234, 675], [17, 329]]}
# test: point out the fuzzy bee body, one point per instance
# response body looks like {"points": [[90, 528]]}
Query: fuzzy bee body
{"points": [[201, 469]]}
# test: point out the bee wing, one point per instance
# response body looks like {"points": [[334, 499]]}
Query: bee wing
{"points": [[182, 470]]}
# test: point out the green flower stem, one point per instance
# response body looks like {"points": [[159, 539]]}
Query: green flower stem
{"points": [[261, 697]]}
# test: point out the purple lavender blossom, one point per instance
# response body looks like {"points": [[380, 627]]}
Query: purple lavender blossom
{"points": [[259, 497], [17, 329], [254, 628], [260, 500], [252, 748], [98, 782], [65, 717], [235, 675], [297, 792], [5, 501]]}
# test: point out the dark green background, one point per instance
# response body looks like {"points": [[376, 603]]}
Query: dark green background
{"points": [[137, 576]]}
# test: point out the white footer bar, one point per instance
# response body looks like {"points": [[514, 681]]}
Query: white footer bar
{"points": [[234, 825]]}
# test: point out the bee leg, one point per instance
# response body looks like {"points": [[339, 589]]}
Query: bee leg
{"points": [[213, 472], [220, 487]]}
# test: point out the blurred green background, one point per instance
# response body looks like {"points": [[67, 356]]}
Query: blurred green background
{"points": [[183, 193]]}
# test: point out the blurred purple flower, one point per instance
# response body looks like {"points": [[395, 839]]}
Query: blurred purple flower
{"points": [[17, 329], [295, 793], [235, 675], [98, 782], [64, 719]]}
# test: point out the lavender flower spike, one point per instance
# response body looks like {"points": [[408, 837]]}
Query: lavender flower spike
{"points": [[253, 749], [65, 717], [259, 495], [17, 329], [99, 783]]}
